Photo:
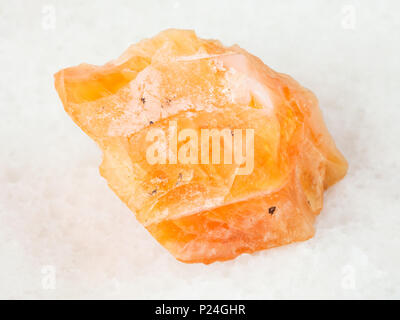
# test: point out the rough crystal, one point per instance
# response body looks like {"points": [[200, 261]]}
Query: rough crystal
{"points": [[206, 212]]}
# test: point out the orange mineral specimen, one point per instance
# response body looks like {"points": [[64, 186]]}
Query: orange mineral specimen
{"points": [[161, 111]]}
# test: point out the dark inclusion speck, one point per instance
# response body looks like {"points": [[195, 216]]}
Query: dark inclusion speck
{"points": [[143, 100], [179, 179], [271, 210], [154, 192], [151, 122]]}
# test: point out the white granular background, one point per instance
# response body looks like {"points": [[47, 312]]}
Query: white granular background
{"points": [[63, 232]]}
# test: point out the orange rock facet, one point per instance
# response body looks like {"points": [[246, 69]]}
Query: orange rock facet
{"points": [[205, 212]]}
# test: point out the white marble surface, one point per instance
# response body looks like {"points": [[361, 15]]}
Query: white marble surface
{"points": [[64, 234]]}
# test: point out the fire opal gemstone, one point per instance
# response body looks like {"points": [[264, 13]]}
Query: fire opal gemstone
{"points": [[149, 111]]}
